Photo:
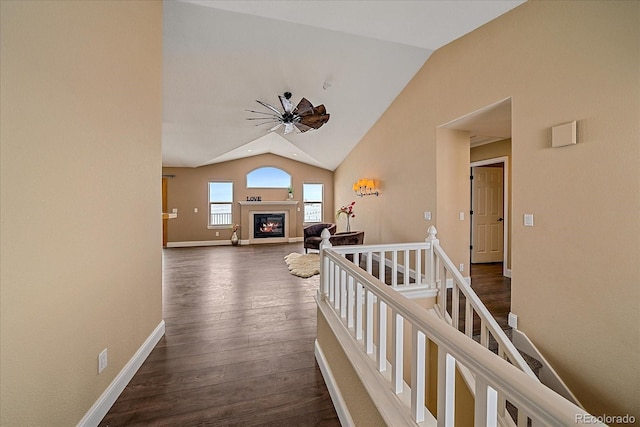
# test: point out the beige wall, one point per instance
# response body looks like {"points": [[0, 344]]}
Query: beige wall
{"points": [[359, 404], [80, 140], [493, 151], [453, 188], [189, 190], [575, 275]]}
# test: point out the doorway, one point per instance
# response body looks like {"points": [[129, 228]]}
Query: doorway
{"points": [[489, 195], [488, 125]]}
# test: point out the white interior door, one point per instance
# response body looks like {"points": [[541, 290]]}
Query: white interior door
{"points": [[487, 189]]}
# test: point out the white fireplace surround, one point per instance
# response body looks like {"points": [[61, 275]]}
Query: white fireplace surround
{"points": [[286, 207]]}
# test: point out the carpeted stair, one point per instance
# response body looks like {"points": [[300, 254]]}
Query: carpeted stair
{"points": [[533, 363]]}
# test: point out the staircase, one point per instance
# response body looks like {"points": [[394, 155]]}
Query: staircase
{"points": [[533, 363], [401, 352]]}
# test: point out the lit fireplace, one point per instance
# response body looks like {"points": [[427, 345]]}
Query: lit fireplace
{"points": [[267, 225]]}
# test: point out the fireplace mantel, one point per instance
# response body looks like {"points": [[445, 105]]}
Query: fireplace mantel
{"points": [[269, 202]]}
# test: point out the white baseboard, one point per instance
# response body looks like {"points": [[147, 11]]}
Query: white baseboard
{"points": [[225, 242], [111, 394], [548, 375], [336, 397], [198, 243]]}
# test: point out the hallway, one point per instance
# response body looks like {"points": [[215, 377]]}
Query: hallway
{"points": [[238, 348]]}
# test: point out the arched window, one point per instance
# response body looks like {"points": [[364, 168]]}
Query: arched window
{"points": [[268, 177]]}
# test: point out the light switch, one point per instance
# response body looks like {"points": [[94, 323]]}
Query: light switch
{"points": [[427, 216], [528, 220], [175, 210], [195, 210], [461, 216]]}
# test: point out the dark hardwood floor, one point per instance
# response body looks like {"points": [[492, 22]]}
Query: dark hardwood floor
{"points": [[238, 348], [239, 343], [493, 289]]}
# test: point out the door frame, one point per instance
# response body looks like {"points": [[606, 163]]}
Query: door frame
{"points": [[505, 201]]}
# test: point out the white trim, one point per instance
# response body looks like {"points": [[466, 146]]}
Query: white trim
{"points": [[401, 269], [450, 281], [413, 292], [198, 243], [392, 407], [111, 394], [269, 202], [336, 397], [505, 201], [548, 375], [223, 242], [508, 273]]}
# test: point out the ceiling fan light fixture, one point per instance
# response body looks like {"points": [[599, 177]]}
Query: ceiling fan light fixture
{"points": [[302, 118]]}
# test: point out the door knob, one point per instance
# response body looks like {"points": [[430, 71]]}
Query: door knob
{"points": [[500, 219]]}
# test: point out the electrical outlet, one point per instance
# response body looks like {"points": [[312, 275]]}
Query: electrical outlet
{"points": [[427, 216], [195, 210], [461, 268], [513, 320], [217, 234], [102, 361]]}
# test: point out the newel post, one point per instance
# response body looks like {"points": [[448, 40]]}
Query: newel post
{"points": [[326, 235], [324, 263], [431, 256]]}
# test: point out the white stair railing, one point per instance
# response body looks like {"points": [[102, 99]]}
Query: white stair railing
{"points": [[357, 306], [447, 274]]}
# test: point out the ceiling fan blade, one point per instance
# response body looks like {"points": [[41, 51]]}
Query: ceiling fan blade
{"points": [[320, 109], [287, 105], [288, 128], [270, 114], [301, 127], [275, 127], [271, 107], [304, 107], [314, 120]]}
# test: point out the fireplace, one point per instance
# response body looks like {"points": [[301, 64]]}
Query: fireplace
{"points": [[259, 220], [268, 225]]}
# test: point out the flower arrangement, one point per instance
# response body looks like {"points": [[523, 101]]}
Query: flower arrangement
{"points": [[348, 211], [235, 227]]}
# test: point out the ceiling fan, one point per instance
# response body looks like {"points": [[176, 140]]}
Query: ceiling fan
{"points": [[302, 118]]}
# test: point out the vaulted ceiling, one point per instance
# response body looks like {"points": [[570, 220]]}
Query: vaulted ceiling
{"points": [[352, 56]]}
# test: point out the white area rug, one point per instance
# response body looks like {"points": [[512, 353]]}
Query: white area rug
{"points": [[303, 265]]}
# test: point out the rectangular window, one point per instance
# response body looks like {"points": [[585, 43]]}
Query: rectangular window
{"points": [[220, 203], [312, 197]]}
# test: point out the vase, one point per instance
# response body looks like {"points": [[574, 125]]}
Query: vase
{"points": [[348, 225], [234, 239]]}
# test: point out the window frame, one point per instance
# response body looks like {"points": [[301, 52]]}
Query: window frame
{"points": [[305, 202], [210, 224]]}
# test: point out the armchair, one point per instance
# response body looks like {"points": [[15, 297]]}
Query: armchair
{"points": [[312, 237]]}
